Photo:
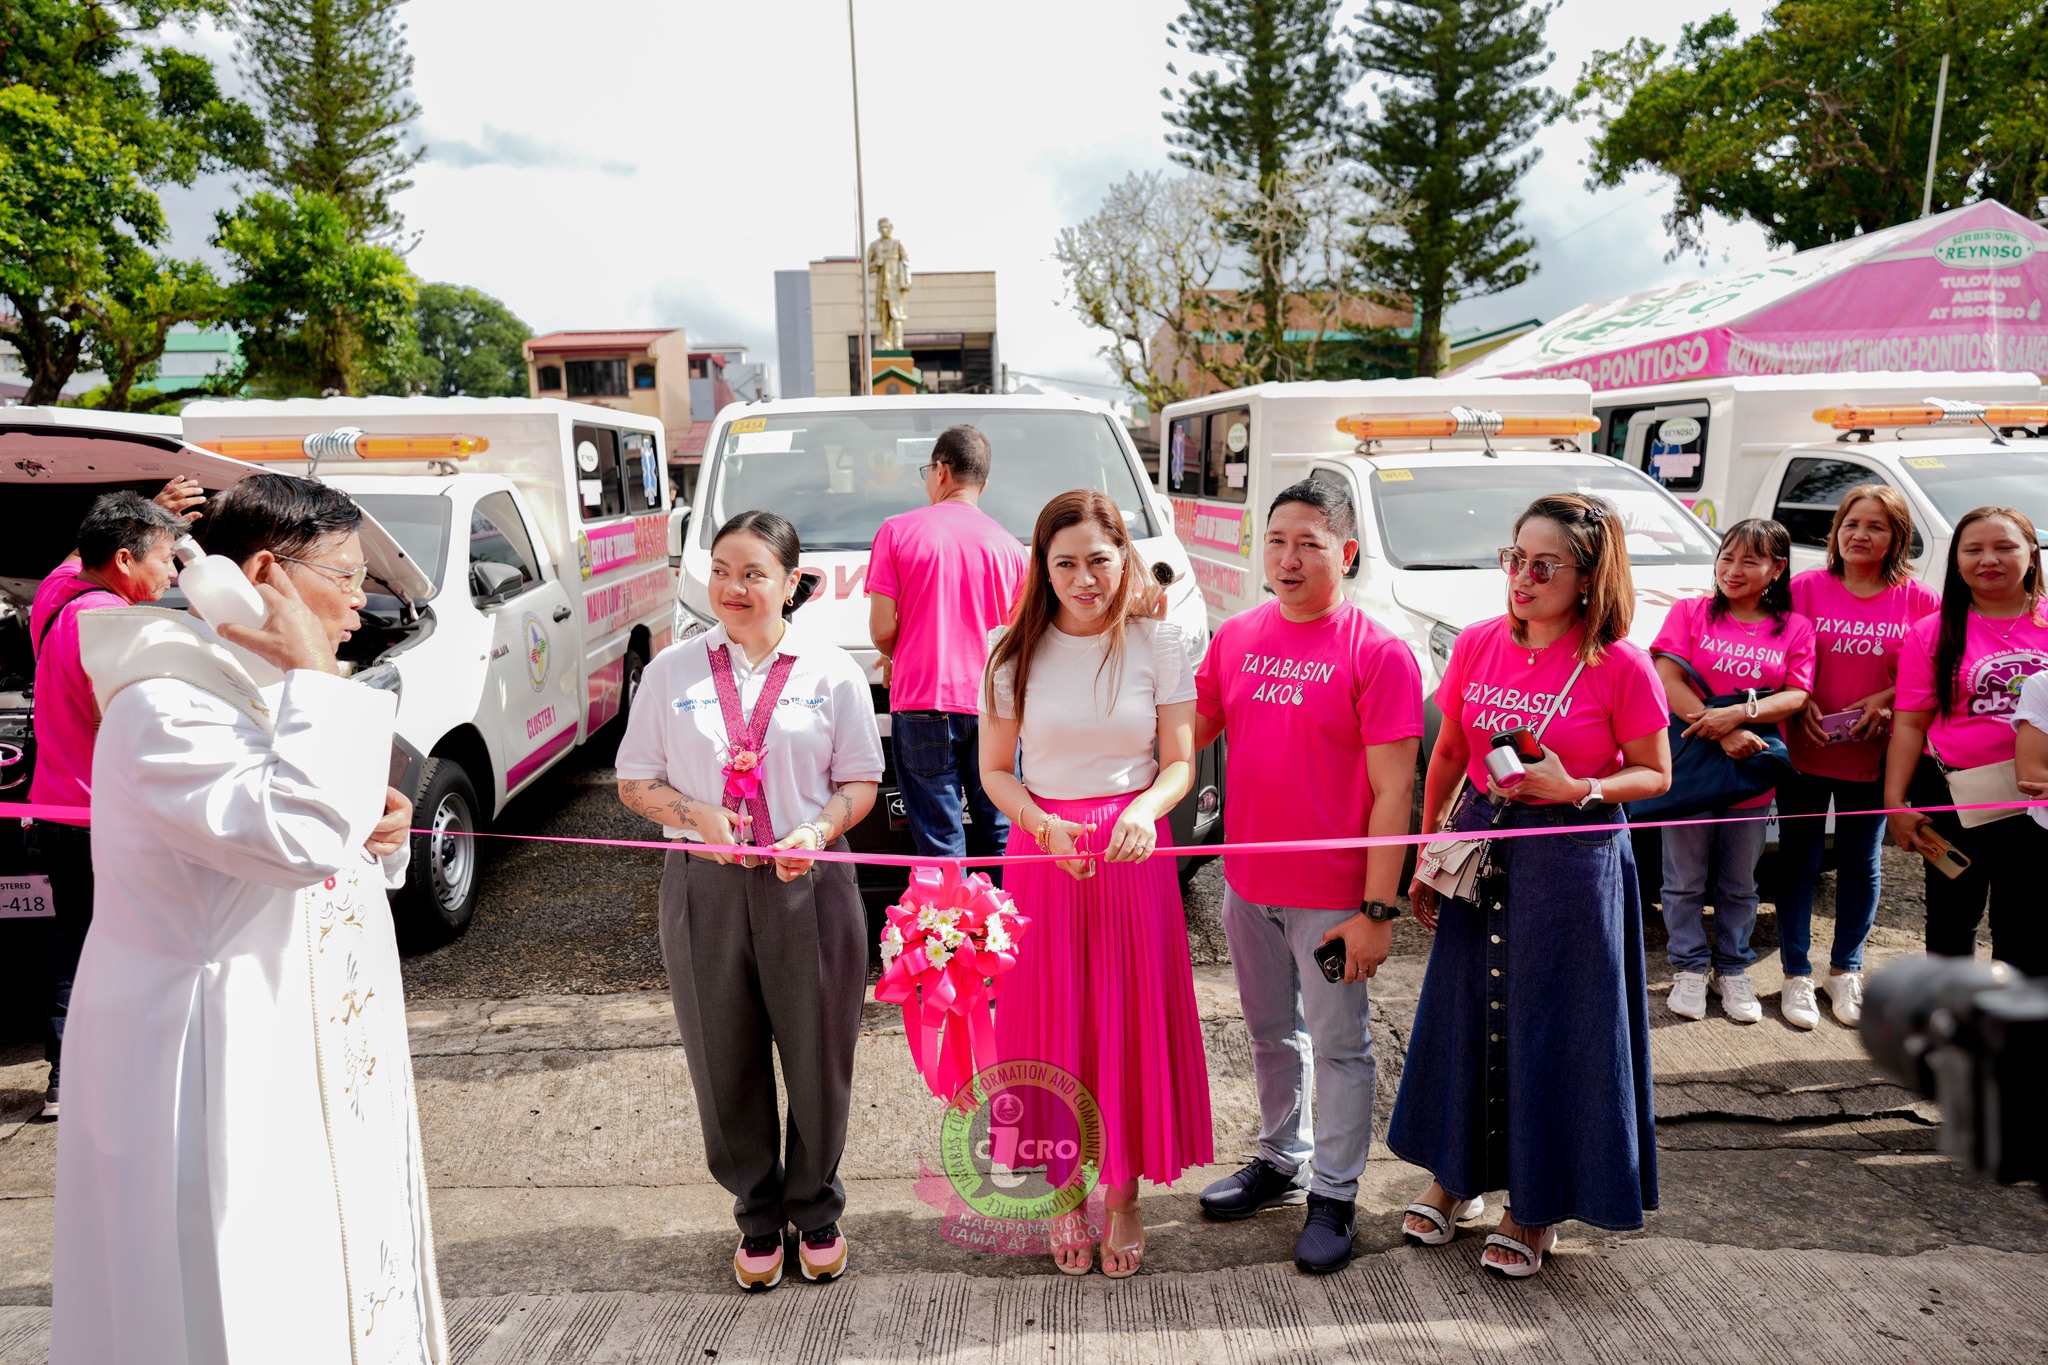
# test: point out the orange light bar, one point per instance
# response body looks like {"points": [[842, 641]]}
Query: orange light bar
{"points": [[370, 447], [360, 445], [1412, 426], [1850, 417], [278, 448]]}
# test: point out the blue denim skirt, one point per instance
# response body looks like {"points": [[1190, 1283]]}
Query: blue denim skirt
{"points": [[1528, 1068]]}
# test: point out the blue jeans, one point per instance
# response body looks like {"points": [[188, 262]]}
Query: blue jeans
{"points": [[1803, 800], [938, 768], [1731, 851], [1298, 1020]]}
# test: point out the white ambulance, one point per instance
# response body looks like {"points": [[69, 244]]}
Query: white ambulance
{"points": [[541, 527]]}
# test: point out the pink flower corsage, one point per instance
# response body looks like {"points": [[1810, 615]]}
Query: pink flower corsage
{"points": [[742, 774]]}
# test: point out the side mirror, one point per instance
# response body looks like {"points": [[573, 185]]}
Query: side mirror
{"points": [[678, 527], [491, 582]]}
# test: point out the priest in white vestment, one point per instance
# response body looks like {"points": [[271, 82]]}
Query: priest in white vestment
{"points": [[238, 1166]]}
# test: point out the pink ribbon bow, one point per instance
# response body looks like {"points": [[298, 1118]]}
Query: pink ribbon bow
{"points": [[944, 948]]}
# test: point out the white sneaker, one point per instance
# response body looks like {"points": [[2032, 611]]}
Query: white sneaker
{"points": [[1689, 995], [1738, 998], [1846, 991], [1801, 1010]]}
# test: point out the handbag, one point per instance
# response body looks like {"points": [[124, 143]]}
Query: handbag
{"points": [[1988, 784], [1703, 776], [1453, 867]]}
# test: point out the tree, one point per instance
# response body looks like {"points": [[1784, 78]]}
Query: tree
{"points": [[334, 77], [1816, 127], [471, 343], [319, 311], [91, 121], [1276, 102], [1448, 141], [132, 322]]}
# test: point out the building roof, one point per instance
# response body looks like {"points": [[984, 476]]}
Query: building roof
{"points": [[690, 445], [557, 342]]}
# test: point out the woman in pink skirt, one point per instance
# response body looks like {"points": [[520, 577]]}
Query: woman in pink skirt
{"points": [[1101, 700]]}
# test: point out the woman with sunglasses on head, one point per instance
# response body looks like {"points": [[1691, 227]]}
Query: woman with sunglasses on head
{"points": [[1960, 678], [1101, 701], [1745, 642], [1529, 1065], [1861, 606]]}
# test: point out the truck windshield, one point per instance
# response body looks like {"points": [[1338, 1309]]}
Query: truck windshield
{"points": [[839, 475], [1957, 484], [1460, 515]]}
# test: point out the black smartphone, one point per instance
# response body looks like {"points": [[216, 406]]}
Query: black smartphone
{"points": [[1330, 957]]}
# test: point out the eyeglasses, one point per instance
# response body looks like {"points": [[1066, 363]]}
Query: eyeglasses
{"points": [[1513, 561], [924, 470], [353, 577]]}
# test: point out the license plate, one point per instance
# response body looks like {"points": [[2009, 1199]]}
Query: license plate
{"points": [[26, 898]]}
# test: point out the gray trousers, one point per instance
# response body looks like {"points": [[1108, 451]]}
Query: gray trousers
{"points": [[753, 962]]}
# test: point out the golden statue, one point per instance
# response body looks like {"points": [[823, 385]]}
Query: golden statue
{"points": [[889, 264]]}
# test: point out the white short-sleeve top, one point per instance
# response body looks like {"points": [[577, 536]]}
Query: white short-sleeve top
{"points": [[823, 732], [1087, 731]]}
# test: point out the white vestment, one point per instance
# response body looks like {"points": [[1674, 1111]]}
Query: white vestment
{"points": [[238, 1166]]}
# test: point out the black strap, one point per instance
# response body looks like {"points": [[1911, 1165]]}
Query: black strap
{"points": [[62, 607]]}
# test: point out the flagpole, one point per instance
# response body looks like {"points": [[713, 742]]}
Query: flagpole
{"points": [[860, 214]]}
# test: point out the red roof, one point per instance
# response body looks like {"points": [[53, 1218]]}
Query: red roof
{"points": [[597, 341], [691, 446]]}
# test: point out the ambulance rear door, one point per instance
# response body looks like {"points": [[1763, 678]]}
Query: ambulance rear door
{"points": [[1209, 472]]}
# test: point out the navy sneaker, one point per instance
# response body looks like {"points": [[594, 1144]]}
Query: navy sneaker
{"points": [[1261, 1185], [1324, 1246]]}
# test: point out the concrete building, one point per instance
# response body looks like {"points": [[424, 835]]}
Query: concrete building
{"points": [[652, 371], [952, 331], [191, 356]]}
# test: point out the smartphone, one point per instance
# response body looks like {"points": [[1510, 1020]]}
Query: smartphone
{"points": [[1330, 957], [1837, 725], [1946, 859]]}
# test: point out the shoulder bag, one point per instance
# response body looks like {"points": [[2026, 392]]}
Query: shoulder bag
{"points": [[1703, 776]]}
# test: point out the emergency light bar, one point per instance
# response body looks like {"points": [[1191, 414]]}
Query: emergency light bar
{"points": [[1412, 426], [1935, 412], [348, 442]]}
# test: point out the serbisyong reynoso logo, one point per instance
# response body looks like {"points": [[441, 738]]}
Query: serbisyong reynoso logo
{"points": [[1984, 246], [1021, 1149]]}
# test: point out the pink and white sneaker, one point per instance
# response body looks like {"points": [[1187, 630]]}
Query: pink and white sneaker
{"points": [[757, 1263], [821, 1255]]}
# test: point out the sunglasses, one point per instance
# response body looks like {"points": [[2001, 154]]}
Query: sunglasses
{"points": [[1513, 561], [352, 577]]}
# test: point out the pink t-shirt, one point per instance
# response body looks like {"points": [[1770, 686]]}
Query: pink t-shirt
{"points": [[1490, 686], [1300, 702], [66, 717], [1732, 655], [1998, 658], [1856, 655], [953, 572]]}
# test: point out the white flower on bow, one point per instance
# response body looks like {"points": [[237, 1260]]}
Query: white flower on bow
{"points": [[938, 954], [998, 936], [952, 936], [892, 944], [934, 918]]}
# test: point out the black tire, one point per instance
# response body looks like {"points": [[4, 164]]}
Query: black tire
{"points": [[439, 896], [629, 686]]}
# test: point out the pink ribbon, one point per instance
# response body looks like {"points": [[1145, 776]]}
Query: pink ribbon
{"points": [[946, 1018]]}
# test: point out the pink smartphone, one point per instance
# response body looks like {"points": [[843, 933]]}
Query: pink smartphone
{"points": [[1838, 725]]}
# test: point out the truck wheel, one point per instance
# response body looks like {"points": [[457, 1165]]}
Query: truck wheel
{"points": [[630, 686], [439, 896]]}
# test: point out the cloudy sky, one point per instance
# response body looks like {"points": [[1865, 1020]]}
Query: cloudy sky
{"points": [[651, 162]]}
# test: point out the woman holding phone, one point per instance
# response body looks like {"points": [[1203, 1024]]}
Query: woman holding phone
{"points": [[1960, 678], [1862, 604]]}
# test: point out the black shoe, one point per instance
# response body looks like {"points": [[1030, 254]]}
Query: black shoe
{"points": [[1324, 1246], [1261, 1185]]}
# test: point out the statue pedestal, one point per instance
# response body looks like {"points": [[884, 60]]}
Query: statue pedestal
{"points": [[892, 372]]}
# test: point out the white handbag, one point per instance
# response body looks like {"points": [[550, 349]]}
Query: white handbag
{"points": [[1992, 784], [1453, 867]]}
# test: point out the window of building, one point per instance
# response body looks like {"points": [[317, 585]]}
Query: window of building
{"points": [[643, 376], [600, 483], [1228, 474], [597, 378], [551, 379], [1184, 457], [700, 367], [498, 536]]}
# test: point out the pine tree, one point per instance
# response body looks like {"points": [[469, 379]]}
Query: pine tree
{"points": [[1448, 142], [1277, 100], [334, 78]]}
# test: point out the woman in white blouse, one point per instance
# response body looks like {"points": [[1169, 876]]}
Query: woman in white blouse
{"points": [[755, 733], [1101, 700]]}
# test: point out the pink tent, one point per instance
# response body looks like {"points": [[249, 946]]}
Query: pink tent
{"points": [[1961, 290]]}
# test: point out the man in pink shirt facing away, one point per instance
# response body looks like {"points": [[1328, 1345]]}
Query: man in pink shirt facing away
{"points": [[939, 580], [124, 557]]}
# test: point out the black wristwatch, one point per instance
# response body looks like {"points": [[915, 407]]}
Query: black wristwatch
{"points": [[1379, 912]]}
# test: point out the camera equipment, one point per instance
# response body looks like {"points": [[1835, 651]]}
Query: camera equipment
{"points": [[1972, 1036]]}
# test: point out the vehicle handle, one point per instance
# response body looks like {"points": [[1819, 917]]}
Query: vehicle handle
{"points": [[561, 613]]}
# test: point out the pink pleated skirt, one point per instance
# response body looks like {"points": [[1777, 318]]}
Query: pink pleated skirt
{"points": [[1103, 989]]}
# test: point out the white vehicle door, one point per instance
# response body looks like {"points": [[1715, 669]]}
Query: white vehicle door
{"points": [[528, 713], [1806, 487], [1208, 476]]}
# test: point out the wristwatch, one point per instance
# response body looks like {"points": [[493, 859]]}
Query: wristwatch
{"points": [[1593, 796], [1379, 912]]}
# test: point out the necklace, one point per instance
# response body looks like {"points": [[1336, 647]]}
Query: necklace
{"points": [[2012, 624], [1534, 650]]}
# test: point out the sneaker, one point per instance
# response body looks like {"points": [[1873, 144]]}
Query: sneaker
{"points": [[1845, 991], [757, 1263], [1689, 995], [1261, 1185], [49, 1104], [1324, 1246], [821, 1255], [1738, 998], [1798, 1003]]}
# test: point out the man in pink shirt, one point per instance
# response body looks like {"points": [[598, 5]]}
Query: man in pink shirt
{"points": [[124, 557], [939, 580]]}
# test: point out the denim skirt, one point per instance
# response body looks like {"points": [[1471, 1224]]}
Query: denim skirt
{"points": [[1528, 1068]]}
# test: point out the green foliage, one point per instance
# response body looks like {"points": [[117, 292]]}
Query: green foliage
{"points": [[1454, 118], [472, 343], [334, 78], [132, 320], [319, 310], [1816, 127]]}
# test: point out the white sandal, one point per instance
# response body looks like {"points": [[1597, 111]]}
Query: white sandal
{"points": [[1532, 1256], [1445, 1225]]}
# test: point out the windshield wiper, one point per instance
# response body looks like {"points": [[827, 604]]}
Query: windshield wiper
{"points": [[1431, 565]]}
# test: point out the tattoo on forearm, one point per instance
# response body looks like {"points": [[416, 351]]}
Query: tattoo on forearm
{"points": [[837, 814], [660, 802]]}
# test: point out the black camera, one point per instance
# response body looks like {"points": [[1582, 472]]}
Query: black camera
{"points": [[1973, 1037]]}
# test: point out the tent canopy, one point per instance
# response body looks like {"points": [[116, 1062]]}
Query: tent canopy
{"points": [[1961, 290]]}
